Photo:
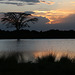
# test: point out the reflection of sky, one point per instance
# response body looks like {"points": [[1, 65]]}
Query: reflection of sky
{"points": [[58, 54], [40, 47], [54, 12]]}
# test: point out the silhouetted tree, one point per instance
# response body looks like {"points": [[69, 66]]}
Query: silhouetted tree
{"points": [[18, 20]]}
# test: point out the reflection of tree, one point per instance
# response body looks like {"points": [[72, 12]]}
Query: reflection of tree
{"points": [[17, 20]]}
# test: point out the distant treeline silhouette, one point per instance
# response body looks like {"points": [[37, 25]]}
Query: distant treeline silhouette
{"points": [[26, 34], [43, 66]]}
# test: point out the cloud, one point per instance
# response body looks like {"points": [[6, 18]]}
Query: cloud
{"points": [[32, 3], [19, 2], [69, 19], [29, 12], [54, 16], [68, 23], [48, 2], [25, 2], [22, 0], [30, 0], [40, 24], [65, 23], [14, 3], [73, 3]]}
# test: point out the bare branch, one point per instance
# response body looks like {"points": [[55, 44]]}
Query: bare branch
{"points": [[18, 20]]}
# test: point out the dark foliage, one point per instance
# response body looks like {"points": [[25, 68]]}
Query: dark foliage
{"points": [[65, 59], [26, 34], [18, 20], [12, 58], [45, 66], [46, 59]]}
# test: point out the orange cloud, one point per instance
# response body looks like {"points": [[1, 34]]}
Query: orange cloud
{"points": [[48, 2], [54, 16], [73, 3]]}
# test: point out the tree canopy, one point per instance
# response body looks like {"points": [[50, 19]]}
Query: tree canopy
{"points": [[18, 19]]}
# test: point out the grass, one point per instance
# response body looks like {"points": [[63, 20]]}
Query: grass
{"points": [[13, 65]]}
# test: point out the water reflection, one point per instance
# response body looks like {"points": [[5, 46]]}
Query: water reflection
{"points": [[39, 47], [58, 54], [31, 56]]}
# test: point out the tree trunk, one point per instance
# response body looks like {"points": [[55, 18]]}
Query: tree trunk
{"points": [[18, 35]]}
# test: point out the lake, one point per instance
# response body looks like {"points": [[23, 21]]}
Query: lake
{"points": [[39, 47]]}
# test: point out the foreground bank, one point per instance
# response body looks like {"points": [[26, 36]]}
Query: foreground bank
{"points": [[15, 65]]}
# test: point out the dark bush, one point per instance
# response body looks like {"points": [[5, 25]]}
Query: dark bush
{"points": [[65, 59], [46, 59]]}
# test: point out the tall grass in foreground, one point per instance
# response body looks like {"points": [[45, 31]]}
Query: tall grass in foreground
{"points": [[46, 59], [13, 64], [17, 57], [52, 59], [11, 58]]}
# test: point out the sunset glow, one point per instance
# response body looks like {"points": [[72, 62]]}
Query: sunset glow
{"points": [[54, 16], [53, 12]]}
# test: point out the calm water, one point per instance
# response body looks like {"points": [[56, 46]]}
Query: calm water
{"points": [[38, 45]]}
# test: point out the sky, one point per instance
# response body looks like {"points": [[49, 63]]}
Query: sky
{"points": [[51, 14]]}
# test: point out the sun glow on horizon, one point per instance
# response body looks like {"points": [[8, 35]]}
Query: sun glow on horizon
{"points": [[54, 16]]}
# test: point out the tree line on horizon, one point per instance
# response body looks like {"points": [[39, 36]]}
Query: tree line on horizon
{"points": [[20, 20], [27, 34]]}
